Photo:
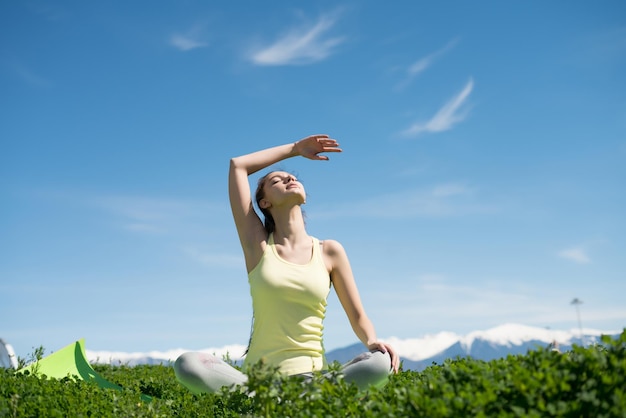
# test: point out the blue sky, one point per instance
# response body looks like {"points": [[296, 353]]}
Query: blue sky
{"points": [[482, 179]]}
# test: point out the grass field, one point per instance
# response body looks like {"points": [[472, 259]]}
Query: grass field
{"points": [[583, 382]]}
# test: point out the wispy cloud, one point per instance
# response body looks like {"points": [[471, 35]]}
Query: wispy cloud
{"points": [[49, 12], [29, 76], [154, 215], [604, 46], [449, 115], [466, 303], [576, 254], [447, 301], [303, 45], [191, 39], [179, 222], [143, 228], [423, 63], [213, 259], [448, 199], [450, 189]]}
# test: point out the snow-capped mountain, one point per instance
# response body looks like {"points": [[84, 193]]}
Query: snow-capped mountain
{"points": [[498, 342], [416, 353]]}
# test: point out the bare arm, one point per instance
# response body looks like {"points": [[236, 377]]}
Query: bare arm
{"points": [[249, 225], [348, 294]]}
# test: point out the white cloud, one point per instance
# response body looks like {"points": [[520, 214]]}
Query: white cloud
{"points": [[448, 199], [430, 278], [300, 46], [185, 43], [49, 12], [450, 189], [189, 40], [29, 76], [142, 227], [212, 259], [445, 303], [449, 115], [423, 63], [576, 254], [142, 214], [143, 208]]}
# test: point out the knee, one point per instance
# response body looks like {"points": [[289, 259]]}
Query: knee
{"points": [[380, 368], [190, 369], [371, 368], [191, 366], [381, 361], [376, 361], [183, 365], [205, 373]]}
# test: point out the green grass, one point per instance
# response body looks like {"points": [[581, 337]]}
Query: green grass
{"points": [[583, 382]]}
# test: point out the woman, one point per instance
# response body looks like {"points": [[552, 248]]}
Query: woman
{"points": [[290, 275]]}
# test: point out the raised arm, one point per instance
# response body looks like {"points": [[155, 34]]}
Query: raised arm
{"points": [[348, 294], [249, 225]]}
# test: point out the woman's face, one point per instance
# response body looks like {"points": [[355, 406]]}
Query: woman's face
{"points": [[281, 187]]}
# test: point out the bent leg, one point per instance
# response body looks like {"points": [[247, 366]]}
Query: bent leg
{"points": [[368, 369], [204, 373]]}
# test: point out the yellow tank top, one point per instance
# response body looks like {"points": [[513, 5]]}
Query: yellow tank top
{"points": [[289, 304]]}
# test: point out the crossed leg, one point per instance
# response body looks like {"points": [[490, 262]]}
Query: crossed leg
{"points": [[205, 373]]}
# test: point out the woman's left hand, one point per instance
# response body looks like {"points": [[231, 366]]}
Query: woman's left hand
{"points": [[312, 146], [386, 348]]}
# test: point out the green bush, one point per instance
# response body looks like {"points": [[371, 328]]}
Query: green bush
{"points": [[582, 382]]}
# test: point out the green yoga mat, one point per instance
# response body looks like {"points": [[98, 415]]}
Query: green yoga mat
{"points": [[71, 361]]}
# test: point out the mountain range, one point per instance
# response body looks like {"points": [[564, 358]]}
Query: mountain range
{"points": [[416, 353]]}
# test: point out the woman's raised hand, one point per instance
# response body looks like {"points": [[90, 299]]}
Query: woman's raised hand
{"points": [[311, 146]]}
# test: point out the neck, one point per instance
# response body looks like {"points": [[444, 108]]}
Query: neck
{"points": [[289, 225]]}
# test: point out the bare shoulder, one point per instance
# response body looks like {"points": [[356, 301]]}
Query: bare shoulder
{"points": [[335, 256], [337, 262], [332, 248]]}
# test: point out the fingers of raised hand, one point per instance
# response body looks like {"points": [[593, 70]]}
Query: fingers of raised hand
{"points": [[329, 145], [322, 139]]}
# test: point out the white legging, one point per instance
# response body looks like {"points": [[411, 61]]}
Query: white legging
{"points": [[205, 373]]}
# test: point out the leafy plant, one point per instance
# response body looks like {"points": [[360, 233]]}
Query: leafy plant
{"points": [[585, 381]]}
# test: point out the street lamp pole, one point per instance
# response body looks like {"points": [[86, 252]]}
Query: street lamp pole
{"points": [[577, 302]]}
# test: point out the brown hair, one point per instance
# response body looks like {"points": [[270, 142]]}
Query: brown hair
{"points": [[268, 223]]}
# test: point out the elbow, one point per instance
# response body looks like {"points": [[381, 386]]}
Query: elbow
{"points": [[235, 164]]}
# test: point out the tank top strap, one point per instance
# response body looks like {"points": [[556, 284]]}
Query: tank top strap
{"points": [[317, 251], [317, 244]]}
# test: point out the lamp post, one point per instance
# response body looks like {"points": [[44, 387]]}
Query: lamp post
{"points": [[577, 302]]}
